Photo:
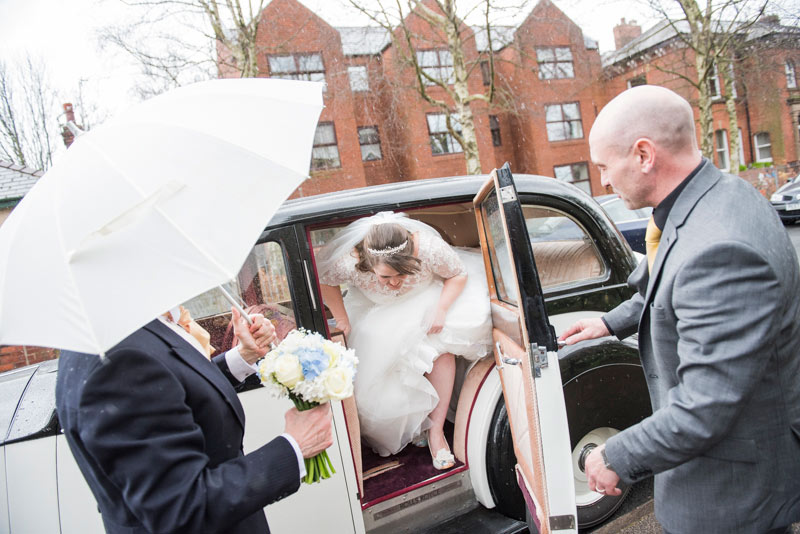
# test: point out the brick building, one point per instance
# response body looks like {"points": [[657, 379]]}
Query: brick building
{"points": [[376, 128], [765, 86]]}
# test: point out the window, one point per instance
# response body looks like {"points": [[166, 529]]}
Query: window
{"points": [[325, 154], [297, 67], [358, 78], [438, 64], [791, 76], [554, 63], [713, 83], [574, 173], [370, 143], [486, 73], [563, 122], [763, 147], [442, 141], [494, 127], [555, 236], [721, 141], [638, 80]]}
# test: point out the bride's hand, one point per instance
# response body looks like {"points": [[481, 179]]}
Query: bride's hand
{"points": [[438, 322], [343, 324]]}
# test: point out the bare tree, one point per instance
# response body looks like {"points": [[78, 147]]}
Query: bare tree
{"points": [[176, 42], [419, 29], [713, 33], [28, 114]]}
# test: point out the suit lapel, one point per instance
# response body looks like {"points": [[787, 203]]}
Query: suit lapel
{"points": [[205, 368], [697, 187]]}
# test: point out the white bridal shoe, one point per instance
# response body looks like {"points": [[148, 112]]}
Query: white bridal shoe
{"points": [[444, 459]]}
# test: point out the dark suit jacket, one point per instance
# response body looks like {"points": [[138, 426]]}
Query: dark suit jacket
{"points": [[157, 431], [719, 337]]}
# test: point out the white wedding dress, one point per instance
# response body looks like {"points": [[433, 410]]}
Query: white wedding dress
{"points": [[389, 335]]}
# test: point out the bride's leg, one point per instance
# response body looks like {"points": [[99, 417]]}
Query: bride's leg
{"points": [[441, 378]]}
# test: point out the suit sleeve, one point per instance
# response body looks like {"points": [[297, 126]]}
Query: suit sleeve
{"points": [[724, 305], [624, 319], [137, 428]]}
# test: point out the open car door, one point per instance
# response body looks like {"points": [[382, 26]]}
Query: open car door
{"points": [[525, 355]]}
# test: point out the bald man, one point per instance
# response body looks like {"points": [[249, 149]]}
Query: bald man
{"points": [[718, 318]]}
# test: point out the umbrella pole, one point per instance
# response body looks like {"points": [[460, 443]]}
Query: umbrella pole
{"points": [[235, 303]]}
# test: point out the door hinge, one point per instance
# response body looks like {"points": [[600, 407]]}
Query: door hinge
{"points": [[507, 194], [537, 355], [562, 522]]}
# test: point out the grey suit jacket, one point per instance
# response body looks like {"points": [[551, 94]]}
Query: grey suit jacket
{"points": [[719, 336]]}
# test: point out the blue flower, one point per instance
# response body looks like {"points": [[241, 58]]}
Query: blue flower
{"points": [[313, 361]]}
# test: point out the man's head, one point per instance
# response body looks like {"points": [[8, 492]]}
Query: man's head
{"points": [[644, 144]]}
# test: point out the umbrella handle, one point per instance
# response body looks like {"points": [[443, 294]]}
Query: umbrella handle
{"points": [[235, 303]]}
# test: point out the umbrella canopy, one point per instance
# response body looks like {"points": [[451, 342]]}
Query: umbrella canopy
{"points": [[150, 209]]}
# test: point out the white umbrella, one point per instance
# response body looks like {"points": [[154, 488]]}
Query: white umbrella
{"points": [[154, 207]]}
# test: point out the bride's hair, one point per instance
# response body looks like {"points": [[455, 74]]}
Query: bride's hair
{"points": [[390, 244]]}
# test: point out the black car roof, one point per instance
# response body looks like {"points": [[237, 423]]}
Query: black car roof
{"points": [[399, 195]]}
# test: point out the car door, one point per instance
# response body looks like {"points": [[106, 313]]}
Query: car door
{"points": [[525, 356]]}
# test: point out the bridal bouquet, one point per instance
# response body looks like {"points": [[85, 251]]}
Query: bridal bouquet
{"points": [[310, 370]]}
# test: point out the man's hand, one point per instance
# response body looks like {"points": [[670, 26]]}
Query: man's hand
{"points": [[255, 339], [601, 479], [585, 329], [311, 429]]}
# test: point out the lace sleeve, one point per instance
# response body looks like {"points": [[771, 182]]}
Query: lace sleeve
{"points": [[340, 272], [443, 259]]}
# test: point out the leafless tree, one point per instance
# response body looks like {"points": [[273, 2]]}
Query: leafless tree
{"points": [[713, 32], [419, 28], [28, 114]]}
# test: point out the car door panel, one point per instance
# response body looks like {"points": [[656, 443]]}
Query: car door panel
{"points": [[532, 389]]}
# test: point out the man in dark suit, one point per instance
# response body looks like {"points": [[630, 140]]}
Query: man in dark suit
{"points": [[718, 317], [156, 429]]}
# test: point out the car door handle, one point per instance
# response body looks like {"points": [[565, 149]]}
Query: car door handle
{"points": [[503, 358]]}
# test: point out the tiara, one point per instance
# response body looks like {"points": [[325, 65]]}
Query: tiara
{"points": [[388, 251]]}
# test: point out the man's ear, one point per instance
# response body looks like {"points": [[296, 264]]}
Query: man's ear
{"points": [[645, 152]]}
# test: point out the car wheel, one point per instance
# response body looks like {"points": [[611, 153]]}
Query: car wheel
{"points": [[500, 466], [593, 507]]}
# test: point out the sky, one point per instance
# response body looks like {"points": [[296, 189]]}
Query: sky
{"points": [[63, 33]]}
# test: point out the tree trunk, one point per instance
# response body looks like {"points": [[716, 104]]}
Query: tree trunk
{"points": [[726, 67]]}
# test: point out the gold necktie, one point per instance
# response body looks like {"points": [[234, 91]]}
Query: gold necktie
{"points": [[194, 329], [651, 239]]}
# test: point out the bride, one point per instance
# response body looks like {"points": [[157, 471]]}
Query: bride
{"points": [[413, 302]]}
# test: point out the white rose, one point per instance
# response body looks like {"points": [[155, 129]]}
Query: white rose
{"points": [[288, 370], [338, 384]]}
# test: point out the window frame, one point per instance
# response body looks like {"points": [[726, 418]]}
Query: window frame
{"points": [[363, 68], [494, 130], [791, 74], [449, 138], [757, 147], [633, 82], [555, 63], [438, 68], [361, 145], [298, 74], [588, 180], [335, 144], [722, 151], [567, 122]]}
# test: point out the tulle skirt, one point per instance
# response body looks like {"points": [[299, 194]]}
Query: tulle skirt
{"points": [[394, 350]]}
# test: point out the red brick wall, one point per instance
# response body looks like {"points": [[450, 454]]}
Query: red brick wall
{"points": [[13, 356]]}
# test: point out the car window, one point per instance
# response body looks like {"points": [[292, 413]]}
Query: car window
{"points": [[619, 213], [504, 280], [562, 248], [261, 286], [35, 413]]}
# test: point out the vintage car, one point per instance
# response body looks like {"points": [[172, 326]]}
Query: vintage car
{"points": [[521, 422], [786, 201]]}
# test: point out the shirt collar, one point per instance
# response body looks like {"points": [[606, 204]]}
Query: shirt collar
{"points": [[661, 212]]}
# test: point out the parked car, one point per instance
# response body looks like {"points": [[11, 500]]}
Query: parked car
{"points": [[632, 223], [521, 421], [786, 201]]}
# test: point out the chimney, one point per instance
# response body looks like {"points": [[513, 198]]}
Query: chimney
{"points": [[69, 116], [625, 32]]}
